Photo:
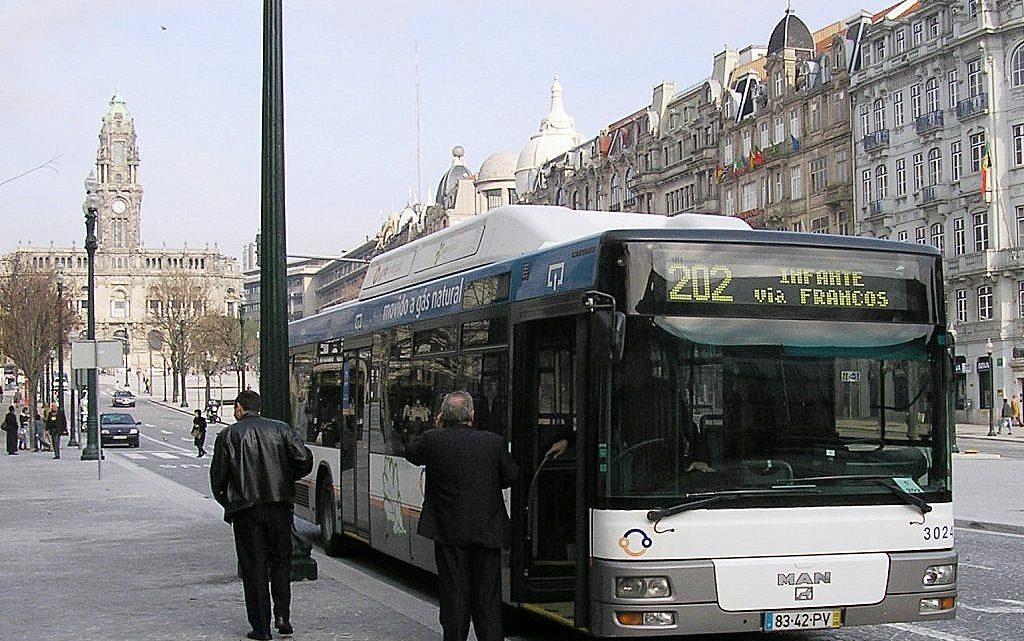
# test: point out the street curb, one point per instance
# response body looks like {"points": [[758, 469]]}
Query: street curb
{"points": [[1002, 528]]}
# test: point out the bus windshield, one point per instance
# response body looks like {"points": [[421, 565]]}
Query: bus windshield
{"points": [[704, 405]]}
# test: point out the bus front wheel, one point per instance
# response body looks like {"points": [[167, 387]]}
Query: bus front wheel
{"points": [[327, 514]]}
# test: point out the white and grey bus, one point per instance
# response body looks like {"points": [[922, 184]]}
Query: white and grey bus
{"points": [[759, 423]]}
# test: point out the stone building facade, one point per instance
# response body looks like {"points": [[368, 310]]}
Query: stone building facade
{"points": [[126, 270], [940, 96]]}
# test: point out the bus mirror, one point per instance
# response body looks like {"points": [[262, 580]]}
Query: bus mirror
{"points": [[609, 332]]}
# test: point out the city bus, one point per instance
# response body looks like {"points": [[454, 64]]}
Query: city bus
{"points": [[759, 423]]}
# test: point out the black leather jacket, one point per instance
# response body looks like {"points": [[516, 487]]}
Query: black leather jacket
{"points": [[255, 461]]}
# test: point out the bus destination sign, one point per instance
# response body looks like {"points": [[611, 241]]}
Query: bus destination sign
{"points": [[796, 283]]}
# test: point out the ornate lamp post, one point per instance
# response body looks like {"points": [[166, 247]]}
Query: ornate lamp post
{"points": [[60, 346], [991, 389], [91, 205], [181, 361]]}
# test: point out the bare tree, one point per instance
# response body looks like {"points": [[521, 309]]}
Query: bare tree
{"points": [[32, 319], [177, 304]]}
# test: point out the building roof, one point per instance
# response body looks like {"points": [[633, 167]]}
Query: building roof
{"points": [[790, 33]]}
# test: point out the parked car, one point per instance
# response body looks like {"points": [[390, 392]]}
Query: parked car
{"points": [[123, 398], [119, 428]]}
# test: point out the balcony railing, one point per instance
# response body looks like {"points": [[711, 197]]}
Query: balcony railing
{"points": [[875, 207], [931, 193], [928, 122], [876, 139], [973, 106]]}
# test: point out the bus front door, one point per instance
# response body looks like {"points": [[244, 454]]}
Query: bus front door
{"points": [[544, 544], [355, 456]]}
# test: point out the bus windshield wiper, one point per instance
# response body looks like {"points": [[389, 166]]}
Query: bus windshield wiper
{"points": [[885, 480], [700, 499]]}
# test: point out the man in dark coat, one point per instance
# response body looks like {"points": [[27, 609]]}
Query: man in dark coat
{"points": [[255, 465], [10, 426], [464, 513]]}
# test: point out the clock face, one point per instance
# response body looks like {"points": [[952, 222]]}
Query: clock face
{"points": [[118, 206]]}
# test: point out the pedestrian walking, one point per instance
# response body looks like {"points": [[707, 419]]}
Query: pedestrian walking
{"points": [[1005, 417], [1015, 410], [256, 462], [10, 427], [464, 513], [39, 426], [26, 425], [56, 427], [199, 433]]}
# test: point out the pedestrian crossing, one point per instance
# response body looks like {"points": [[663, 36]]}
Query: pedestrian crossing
{"points": [[167, 456]]}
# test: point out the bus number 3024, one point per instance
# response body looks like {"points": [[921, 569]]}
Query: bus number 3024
{"points": [[700, 283], [937, 533]]}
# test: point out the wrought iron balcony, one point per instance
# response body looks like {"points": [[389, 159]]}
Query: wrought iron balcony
{"points": [[875, 207], [876, 139], [973, 106], [931, 193], [928, 122]]}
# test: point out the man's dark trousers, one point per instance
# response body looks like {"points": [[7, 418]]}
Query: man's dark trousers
{"points": [[469, 586], [264, 548], [55, 440]]}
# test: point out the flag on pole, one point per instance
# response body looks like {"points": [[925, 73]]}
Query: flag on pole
{"points": [[986, 162]]}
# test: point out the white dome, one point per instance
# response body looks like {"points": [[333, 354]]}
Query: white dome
{"points": [[498, 166], [556, 136]]}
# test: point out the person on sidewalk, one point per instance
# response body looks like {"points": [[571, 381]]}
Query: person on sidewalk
{"points": [[1005, 417], [54, 428], [42, 441], [1015, 410], [464, 513], [10, 427], [255, 465], [199, 433]]}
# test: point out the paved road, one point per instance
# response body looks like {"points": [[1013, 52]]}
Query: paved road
{"points": [[991, 606]]}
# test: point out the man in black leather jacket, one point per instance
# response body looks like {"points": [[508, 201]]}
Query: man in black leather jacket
{"points": [[255, 465]]}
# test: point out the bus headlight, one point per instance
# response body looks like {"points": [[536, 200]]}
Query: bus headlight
{"points": [[642, 587], [939, 575], [646, 618], [937, 605]]}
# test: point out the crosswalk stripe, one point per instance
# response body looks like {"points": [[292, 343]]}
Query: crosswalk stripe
{"points": [[165, 455], [134, 455]]}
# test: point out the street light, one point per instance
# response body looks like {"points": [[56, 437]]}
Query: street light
{"points": [[181, 362], [991, 389], [91, 205], [60, 350], [241, 344]]}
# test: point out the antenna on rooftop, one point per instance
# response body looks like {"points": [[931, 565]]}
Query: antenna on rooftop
{"points": [[418, 173]]}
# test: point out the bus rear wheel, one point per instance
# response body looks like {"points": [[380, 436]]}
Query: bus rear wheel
{"points": [[327, 514]]}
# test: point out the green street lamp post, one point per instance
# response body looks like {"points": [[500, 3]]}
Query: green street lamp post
{"points": [[92, 202], [991, 389]]}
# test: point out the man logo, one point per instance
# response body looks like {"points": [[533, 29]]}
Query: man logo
{"points": [[805, 578], [804, 594]]}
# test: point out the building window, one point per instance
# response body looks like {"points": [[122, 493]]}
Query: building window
{"points": [[493, 198], [118, 304], [879, 114], [819, 167], [972, 8], [961, 305], [727, 154], [778, 185], [842, 166], [902, 236], [977, 150], [780, 129], [931, 93], [794, 123], [959, 237], [730, 203], [901, 176], [917, 33], [1017, 67], [1020, 225], [796, 185], [934, 166], [954, 89], [881, 182], [746, 142], [749, 196], [934, 26], [956, 161], [865, 120], [865, 186], [1018, 145], [918, 172], [937, 236], [819, 225], [974, 87], [901, 40], [1020, 299], [880, 49], [985, 302], [779, 84], [897, 109], [919, 235], [766, 140], [616, 191], [814, 115], [980, 232], [915, 101]]}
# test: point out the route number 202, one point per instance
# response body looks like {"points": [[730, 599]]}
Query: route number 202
{"points": [[700, 283]]}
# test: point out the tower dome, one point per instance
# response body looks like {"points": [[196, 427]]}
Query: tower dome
{"points": [[450, 180], [498, 166], [556, 136], [790, 33]]}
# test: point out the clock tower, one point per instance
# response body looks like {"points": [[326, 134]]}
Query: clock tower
{"points": [[117, 175]]}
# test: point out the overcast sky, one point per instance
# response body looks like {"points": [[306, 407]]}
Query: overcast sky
{"points": [[190, 71]]}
